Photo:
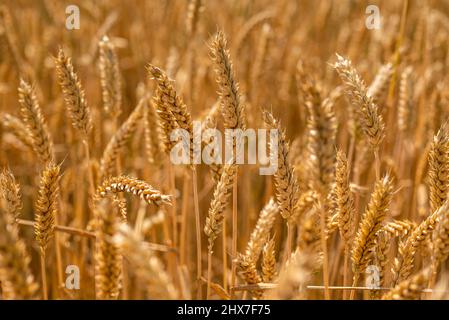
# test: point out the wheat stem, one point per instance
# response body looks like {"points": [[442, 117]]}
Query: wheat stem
{"points": [[198, 228]]}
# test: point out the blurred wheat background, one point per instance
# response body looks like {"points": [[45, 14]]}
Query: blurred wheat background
{"points": [[360, 194]]}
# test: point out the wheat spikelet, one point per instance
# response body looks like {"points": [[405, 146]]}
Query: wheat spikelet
{"points": [[228, 88], [261, 230], [368, 116], [137, 187], [378, 87], [17, 280], [118, 141], [371, 223], [73, 94], [110, 78], [403, 265], [146, 265], [268, 262], [10, 193], [409, 289], [344, 199], [17, 128], [439, 168], [332, 223], [284, 178], [108, 267], [222, 193], [399, 228], [46, 206], [37, 129]]}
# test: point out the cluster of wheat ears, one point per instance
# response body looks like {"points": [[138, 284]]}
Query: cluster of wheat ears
{"points": [[358, 206]]}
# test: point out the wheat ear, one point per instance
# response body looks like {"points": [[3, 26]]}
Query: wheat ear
{"points": [[345, 209], [15, 272], [139, 188], [10, 192], [370, 120], [17, 128], [285, 179], [215, 217], [228, 88], [46, 207], [146, 265], [153, 137], [34, 120], [261, 230], [378, 88], [403, 265], [294, 277], [410, 289], [111, 83], [405, 99], [249, 273], [269, 262], [73, 94], [118, 142], [439, 168], [163, 99], [370, 224], [233, 113], [108, 259]]}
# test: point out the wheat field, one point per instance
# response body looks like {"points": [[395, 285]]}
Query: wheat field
{"points": [[93, 207]]}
